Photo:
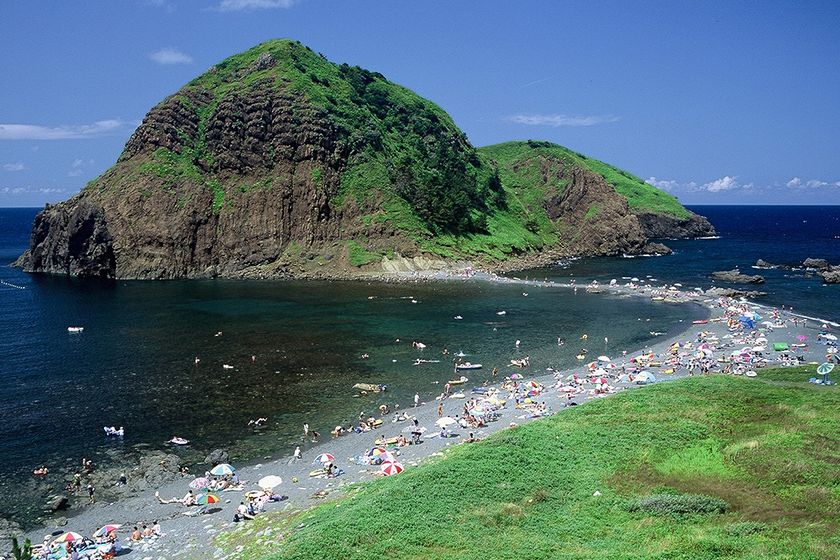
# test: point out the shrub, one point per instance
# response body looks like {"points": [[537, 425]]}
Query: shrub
{"points": [[665, 504]]}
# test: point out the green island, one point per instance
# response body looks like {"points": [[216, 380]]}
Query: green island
{"points": [[702, 467], [277, 148]]}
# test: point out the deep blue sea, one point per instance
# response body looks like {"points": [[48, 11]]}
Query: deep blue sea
{"points": [[133, 365]]}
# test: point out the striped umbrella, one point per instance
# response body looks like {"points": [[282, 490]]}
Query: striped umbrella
{"points": [[68, 537], [390, 469], [208, 498], [324, 458], [222, 469], [105, 529], [199, 483]]}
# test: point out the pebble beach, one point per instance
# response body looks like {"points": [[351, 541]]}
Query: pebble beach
{"points": [[724, 342]]}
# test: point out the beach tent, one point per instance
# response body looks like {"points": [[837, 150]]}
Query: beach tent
{"points": [[644, 378], [780, 346]]}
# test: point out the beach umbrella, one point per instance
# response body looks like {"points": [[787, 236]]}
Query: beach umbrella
{"points": [[516, 376], [199, 483], [825, 369], [208, 498], [829, 337], [445, 421], [324, 458], [270, 481], [603, 359], [222, 469], [105, 529], [759, 349], [390, 469], [801, 338], [377, 452], [70, 536]]}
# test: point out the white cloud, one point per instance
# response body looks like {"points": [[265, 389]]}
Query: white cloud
{"points": [[723, 184], [562, 120], [664, 184], [170, 55], [247, 5], [28, 190], [799, 183], [78, 166], [64, 132], [14, 166]]}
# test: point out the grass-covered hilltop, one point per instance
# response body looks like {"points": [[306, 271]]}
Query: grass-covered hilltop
{"points": [[701, 468], [279, 162]]}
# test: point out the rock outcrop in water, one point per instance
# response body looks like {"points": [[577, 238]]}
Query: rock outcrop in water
{"points": [[277, 162], [736, 277]]}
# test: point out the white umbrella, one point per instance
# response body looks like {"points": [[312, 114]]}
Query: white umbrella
{"points": [[223, 469], [829, 337], [445, 421], [603, 359], [270, 481]]}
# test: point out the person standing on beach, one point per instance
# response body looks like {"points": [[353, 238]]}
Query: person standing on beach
{"points": [[305, 430], [416, 400], [91, 490], [297, 453], [440, 409]]}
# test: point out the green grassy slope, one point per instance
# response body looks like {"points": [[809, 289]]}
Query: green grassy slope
{"points": [[641, 196], [769, 448]]}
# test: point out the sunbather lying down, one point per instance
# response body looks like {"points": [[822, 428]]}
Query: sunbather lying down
{"points": [[187, 500]]}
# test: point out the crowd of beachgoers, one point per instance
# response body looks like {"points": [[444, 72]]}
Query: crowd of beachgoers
{"points": [[737, 338]]}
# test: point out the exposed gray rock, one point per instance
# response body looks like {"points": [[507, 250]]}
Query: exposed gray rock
{"points": [[656, 249], [658, 226], [831, 276], [216, 457], [732, 292], [761, 263], [818, 264], [736, 277], [57, 503], [154, 470]]}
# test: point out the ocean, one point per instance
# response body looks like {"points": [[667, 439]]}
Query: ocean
{"points": [[296, 347]]}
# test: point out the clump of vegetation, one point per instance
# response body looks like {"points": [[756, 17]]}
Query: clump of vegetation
{"points": [[359, 256], [677, 504]]}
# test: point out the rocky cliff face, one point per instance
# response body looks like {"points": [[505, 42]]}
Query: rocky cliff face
{"points": [[277, 162], [672, 227]]}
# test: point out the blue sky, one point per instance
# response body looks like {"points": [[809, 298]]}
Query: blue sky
{"points": [[717, 102]]}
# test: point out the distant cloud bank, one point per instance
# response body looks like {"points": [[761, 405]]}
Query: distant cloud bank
{"points": [[170, 55], [64, 132], [561, 120], [247, 5]]}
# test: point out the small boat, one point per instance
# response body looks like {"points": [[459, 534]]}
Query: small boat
{"points": [[227, 366], [179, 441], [524, 362], [699, 322], [460, 354], [75, 329], [468, 365], [459, 381], [369, 387], [501, 313]]}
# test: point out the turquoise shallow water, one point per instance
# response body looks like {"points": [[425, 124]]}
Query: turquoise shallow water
{"points": [[134, 364]]}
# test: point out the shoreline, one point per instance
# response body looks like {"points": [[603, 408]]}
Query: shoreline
{"points": [[299, 494]]}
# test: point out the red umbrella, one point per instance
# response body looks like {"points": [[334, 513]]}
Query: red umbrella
{"points": [[208, 498], [390, 469]]}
